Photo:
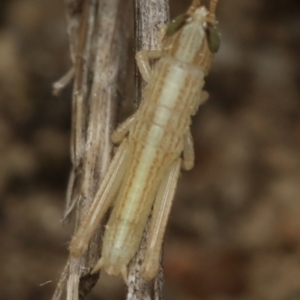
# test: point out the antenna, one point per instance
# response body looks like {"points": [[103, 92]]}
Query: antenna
{"points": [[213, 6]]}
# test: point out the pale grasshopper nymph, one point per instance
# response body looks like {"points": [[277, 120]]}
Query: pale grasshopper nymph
{"points": [[155, 143]]}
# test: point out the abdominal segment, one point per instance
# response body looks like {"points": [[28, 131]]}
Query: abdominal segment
{"points": [[131, 211]]}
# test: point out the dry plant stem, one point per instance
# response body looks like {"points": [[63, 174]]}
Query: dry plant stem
{"points": [[101, 50], [149, 14], [82, 67], [59, 85], [62, 281]]}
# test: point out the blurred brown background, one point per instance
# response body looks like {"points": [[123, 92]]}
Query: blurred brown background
{"points": [[234, 233]]}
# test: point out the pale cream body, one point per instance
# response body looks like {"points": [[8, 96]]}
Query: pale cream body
{"points": [[155, 141], [145, 168]]}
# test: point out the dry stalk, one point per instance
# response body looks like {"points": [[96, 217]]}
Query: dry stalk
{"points": [[98, 48], [98, 51]]}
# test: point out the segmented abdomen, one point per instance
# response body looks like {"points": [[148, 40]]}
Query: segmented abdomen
{"points": [[165, 115], [155, 141]]}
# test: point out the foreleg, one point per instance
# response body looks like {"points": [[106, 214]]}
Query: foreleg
{"points": [[143, 57], [199, 101]]}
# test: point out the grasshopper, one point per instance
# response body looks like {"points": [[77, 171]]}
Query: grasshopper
{"points": [[155, 143]]}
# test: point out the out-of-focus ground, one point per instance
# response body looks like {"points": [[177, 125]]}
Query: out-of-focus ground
{"points": [[234, 233]]}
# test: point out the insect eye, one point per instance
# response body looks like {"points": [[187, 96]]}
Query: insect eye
{"points": [[213, 38], [176, 24]]}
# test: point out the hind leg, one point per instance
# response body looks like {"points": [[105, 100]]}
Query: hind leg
{"points": [[103, 199], [160, 215]]}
